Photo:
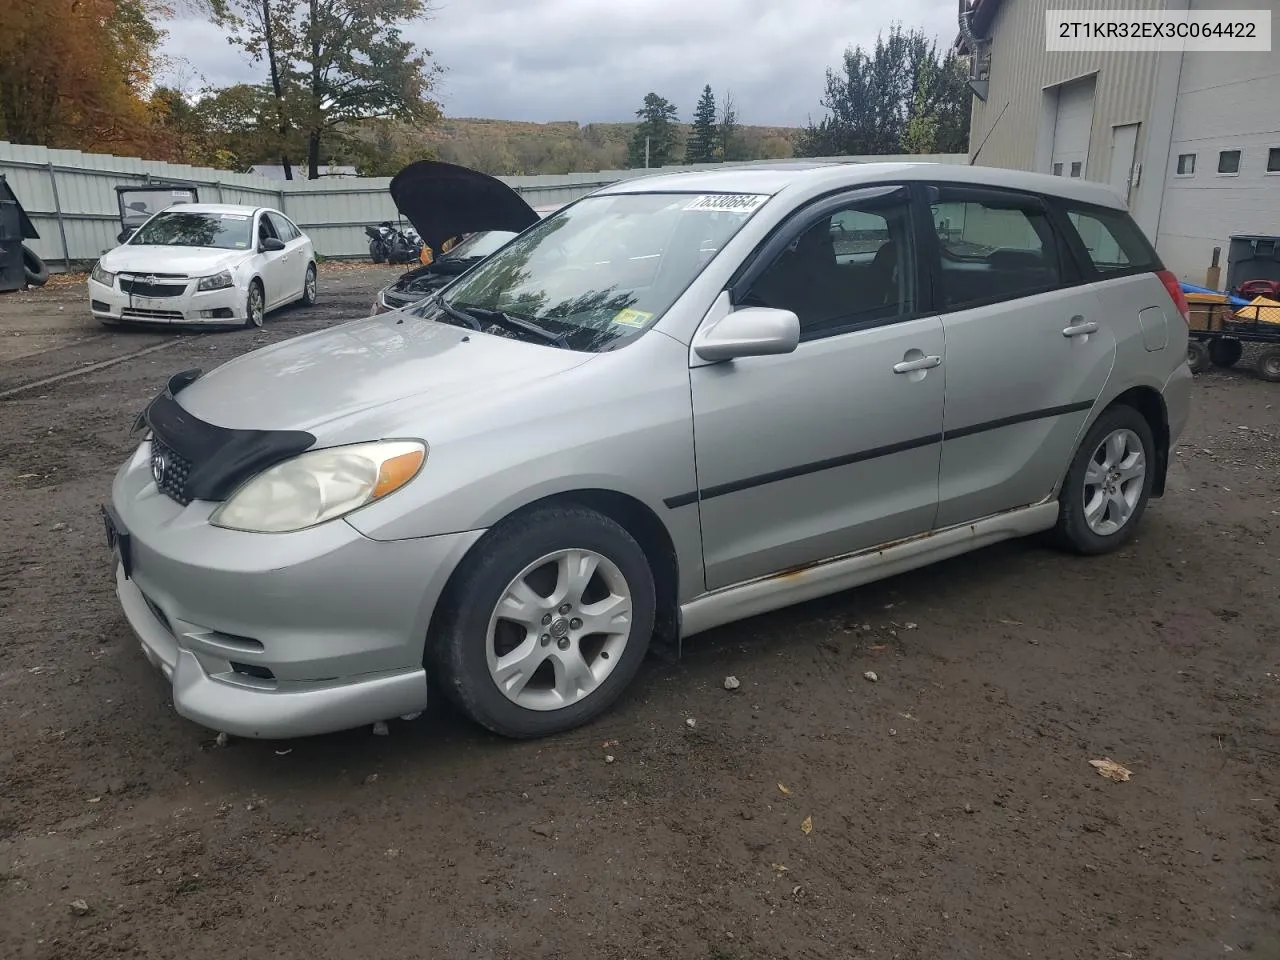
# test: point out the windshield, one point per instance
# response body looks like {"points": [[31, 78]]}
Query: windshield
{"points": [[604, 269], [478, 245], [224, 231]]}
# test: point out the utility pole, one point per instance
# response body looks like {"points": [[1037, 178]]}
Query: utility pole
{"points": [[646, 153]]}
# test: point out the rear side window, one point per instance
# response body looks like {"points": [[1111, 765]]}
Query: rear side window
{"points": [[1113, 241], [994, 250]]}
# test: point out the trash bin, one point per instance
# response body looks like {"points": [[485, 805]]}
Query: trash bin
{"points": [[1252, 258], [15, 226]]}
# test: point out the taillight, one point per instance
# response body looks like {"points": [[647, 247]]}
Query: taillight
{"points": [[1175, 292]]}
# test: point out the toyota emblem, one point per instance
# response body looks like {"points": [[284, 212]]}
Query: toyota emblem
{"points": [[151, 279], [159, 467]]}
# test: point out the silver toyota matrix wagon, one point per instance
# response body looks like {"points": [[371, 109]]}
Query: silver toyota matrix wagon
{"points": [[680, 401]]}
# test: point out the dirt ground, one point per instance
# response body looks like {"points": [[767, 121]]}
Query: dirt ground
{"points": [[946, 811]]}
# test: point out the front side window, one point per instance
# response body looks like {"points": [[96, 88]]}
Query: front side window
{"points": [[991, 250], [1113, 241], [601, 271], [282, 227], [222, 231], [850, 267]]}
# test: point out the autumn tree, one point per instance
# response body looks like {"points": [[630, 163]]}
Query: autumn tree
{"points": [[730, 145], [701, 145], [655, 138], [74, 73]]}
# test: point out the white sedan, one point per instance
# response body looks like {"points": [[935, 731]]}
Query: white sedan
{"points": [[205, 263]]}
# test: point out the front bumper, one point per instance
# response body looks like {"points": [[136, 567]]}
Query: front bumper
{"points": [[278, 635], [113, 305]]}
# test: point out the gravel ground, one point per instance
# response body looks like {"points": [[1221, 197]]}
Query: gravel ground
{"points": [[946, 810]]}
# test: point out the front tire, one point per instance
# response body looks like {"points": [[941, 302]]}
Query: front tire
{"points": [[309, 294], [546, 623], [1108, 484], [255, 306]]}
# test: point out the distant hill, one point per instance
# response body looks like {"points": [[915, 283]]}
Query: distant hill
{"points": [[513, 147]]}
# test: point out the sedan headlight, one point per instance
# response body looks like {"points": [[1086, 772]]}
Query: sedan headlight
{"points": [[219, 281], [102, 276], [320, 485]]}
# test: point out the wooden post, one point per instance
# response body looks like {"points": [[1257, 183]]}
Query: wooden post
{"points": [[1213, 276]]}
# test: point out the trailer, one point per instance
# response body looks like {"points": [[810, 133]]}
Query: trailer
{"points": [[1221, 324]]}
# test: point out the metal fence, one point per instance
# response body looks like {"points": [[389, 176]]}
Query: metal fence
{"points": [[71, 198]]}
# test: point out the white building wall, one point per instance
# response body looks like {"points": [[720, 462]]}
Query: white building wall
{"points": [[1017, 121], [1225, 102]]}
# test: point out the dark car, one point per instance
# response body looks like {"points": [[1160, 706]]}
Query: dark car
{"points": [[445, 201]]}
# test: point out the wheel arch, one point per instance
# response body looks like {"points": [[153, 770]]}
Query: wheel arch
{"points": [[1149, 402], [640, 521]]}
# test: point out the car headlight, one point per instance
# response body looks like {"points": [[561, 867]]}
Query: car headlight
{"points": [[219, 281], [102, 276], [320, 485]]}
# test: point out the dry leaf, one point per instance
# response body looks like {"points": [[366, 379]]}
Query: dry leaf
{"points": [[876, 647], [786, 791], [1108, 768], [807, 825], [1011, 623], [779, 868]]}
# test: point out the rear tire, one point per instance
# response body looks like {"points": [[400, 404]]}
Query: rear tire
{"points": [[1197, 356], [520, 613], [1269, 364], [1225, 352], [37, 274], [1108, 484]]}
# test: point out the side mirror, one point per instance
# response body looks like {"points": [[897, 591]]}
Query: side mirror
{"points": [[271, 245], [749, 332], [124, 235]]}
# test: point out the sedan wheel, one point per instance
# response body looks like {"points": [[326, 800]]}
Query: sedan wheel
{"points": [[546, 622], [309, 286], [1108, 484], [255, 307]]}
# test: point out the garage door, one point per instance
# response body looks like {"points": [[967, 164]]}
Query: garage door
{"points": [[1072, 125]]}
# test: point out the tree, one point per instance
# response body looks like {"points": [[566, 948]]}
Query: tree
{"points": [[335, 64], [730, 145], [657, 128], [75, 73], [259, 26], [702, 142], [876, 95]]}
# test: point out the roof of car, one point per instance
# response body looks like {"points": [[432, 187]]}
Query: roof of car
{"points": [[775, 178], [237, 208]]}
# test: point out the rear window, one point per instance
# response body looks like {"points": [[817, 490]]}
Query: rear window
{"points": [[1113, 241]]}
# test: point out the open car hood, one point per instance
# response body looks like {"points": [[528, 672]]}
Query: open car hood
{"points": [[444, 200]]}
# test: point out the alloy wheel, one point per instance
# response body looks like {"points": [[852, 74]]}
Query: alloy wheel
{"points": [[1113, 482]]}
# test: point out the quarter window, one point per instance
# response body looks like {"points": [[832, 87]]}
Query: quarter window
{"points": [[1113, 241], [1229, 161], [1186, 164], [848, 268], [992, 251]]}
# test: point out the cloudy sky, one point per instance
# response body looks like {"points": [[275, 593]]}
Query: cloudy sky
{"points": [[594, 60]]}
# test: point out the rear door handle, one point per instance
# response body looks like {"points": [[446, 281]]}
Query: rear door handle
{"points": [[1079, 327], [922, 363]]}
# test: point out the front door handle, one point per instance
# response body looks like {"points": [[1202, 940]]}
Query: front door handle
{"points": [[1079, 327], [921, 363]]}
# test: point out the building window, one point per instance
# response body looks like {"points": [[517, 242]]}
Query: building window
{"points": [[1075, 168], [1057, 169], [1186, 164], [1273, 160], [1229, 161]]}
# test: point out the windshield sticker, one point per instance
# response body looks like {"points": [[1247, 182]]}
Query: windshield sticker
{"points": [[241, 243], [632, 318], [728, 202], [234, 216], [184, 194]]}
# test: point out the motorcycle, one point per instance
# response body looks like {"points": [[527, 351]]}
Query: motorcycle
{"points": [[387, 244]]}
